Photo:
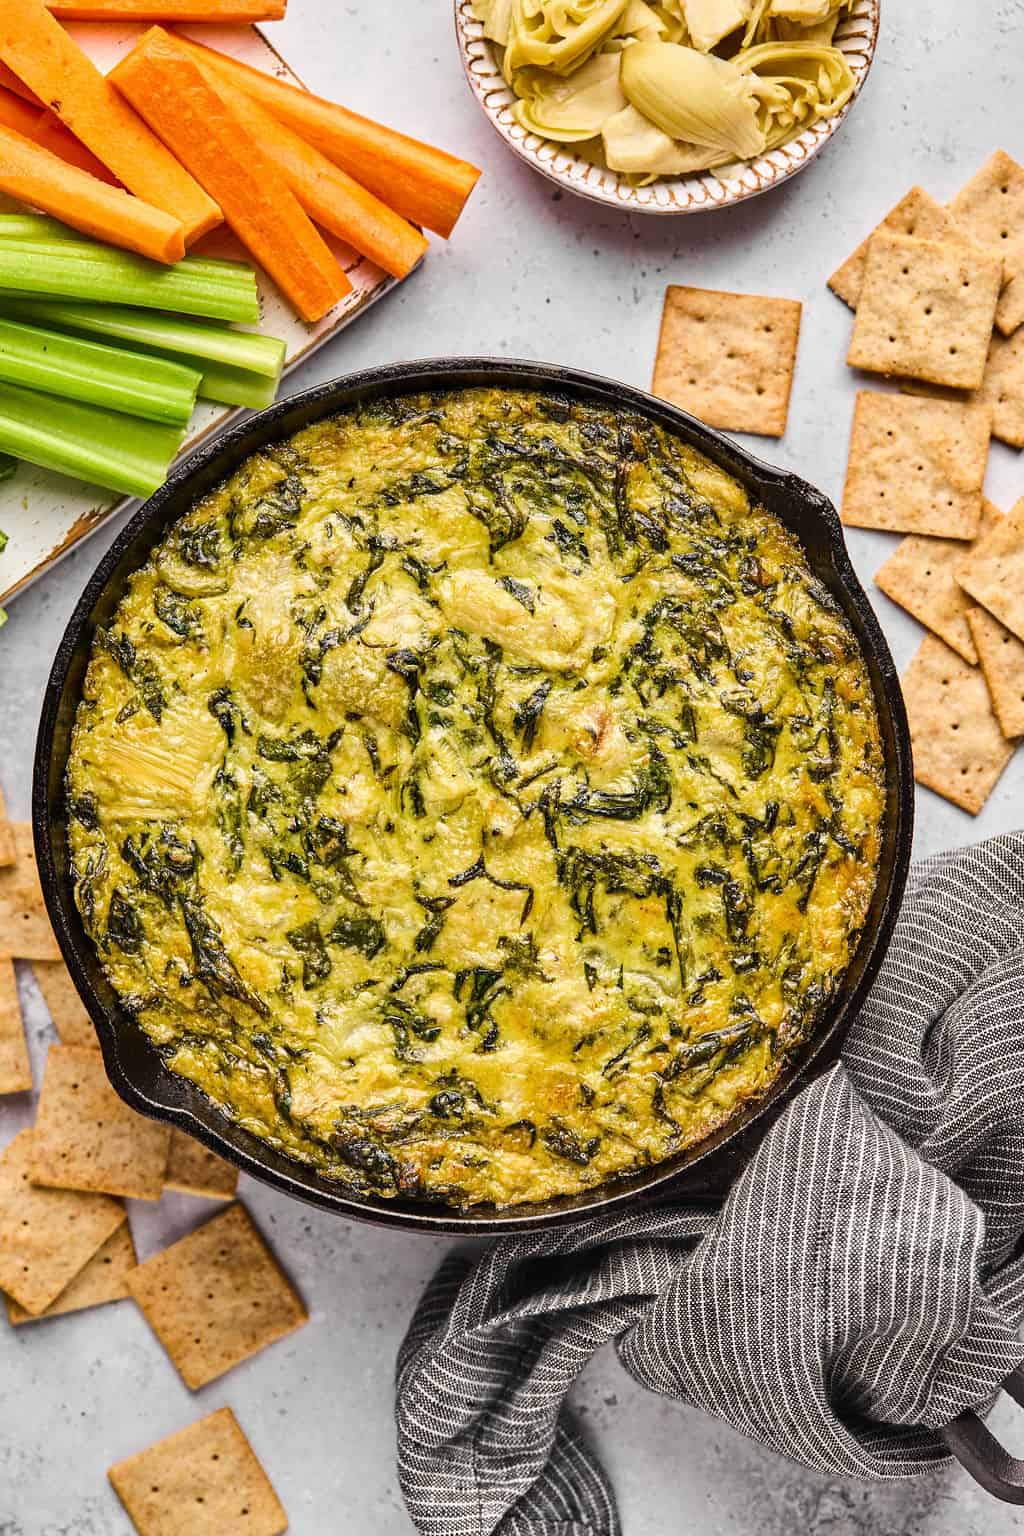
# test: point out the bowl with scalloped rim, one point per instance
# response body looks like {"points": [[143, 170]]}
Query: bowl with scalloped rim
{"points": [[856, 36]]}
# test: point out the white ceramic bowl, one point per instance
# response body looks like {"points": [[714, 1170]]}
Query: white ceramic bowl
{"points": [[856, 35]]}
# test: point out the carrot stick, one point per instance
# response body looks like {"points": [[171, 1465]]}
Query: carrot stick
{"points": [[170, 90], [39, 125], [51, 134], [423, 184], [10, 82], [16, 113], [332, 199], [38, 178], [42, 54], [168, 10]]}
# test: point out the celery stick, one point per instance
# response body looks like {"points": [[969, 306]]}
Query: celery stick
{"points": [[236, 386], [7, 467], [66, 269], [35, 226], [198, 339], [122, 380], [122, 453]]}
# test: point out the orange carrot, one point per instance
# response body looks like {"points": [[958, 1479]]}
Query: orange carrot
{"points": [[423, 184], [39, 125], [332, 199], [34, 176], [168, 10], [52, 135], [170, 90], [10, 82], [16, 113], [42, 54]]}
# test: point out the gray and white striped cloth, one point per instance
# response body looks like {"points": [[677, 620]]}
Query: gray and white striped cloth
{"points": [[861, 1286]]}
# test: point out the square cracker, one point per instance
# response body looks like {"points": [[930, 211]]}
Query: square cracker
{"points": [[46, 1235], [25, 930], [216, 1297], [1002, 661], [916, 465], [15, 1072], [67, 1010], [203, 1481], [1002, 389], [728, 358], [920, 575], [959, 749], [101, 1280], [7, 853], [993, 571], [926, 311], [990, 210], [917, 213], [88, 1138], [195, 1170], [1010, 309]]}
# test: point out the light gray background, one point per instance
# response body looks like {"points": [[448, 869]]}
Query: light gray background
{"points": [[529, 274]]}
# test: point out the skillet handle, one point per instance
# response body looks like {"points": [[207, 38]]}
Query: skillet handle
{"points": [[980, 1453]]}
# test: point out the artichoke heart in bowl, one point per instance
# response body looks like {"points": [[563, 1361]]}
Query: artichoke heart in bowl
{"points": [[615, 96]]}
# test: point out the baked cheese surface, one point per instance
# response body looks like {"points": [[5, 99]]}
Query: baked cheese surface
{"points": [[476, 796]]}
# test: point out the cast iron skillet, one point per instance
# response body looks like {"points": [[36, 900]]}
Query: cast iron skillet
{"points": [[134, 1067]]}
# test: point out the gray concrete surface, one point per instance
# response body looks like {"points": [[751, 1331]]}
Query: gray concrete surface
{"points": [[530, 274]]}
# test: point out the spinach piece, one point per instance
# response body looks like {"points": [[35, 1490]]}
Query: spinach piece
{"points": [[527, 716], [561, 1140], [484, 992], [523, 594], [199, 545], [479, 871], [175, 611], [213, 965], [139, 670], [437, 906], [124, 925], [224, 709], [366, 934], [85, 811], [308, 942], [161, 865]]}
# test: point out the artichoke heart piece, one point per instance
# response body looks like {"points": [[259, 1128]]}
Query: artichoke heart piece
{"points": [[806, 13], [798, 84], [570, 110], [495, 15], [556, 34], [634, 146], [708, 21], [695, 97]]}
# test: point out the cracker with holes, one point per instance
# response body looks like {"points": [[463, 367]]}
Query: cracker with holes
{"points": [[67, 1010], [1002, 388], [990, 211], [46, 1235], [926, 311], [916, 465], [918, 214], [728, 358], [195, 1170], [959, 749], [100, 1281], [1010, 309], [203, 1481], [216, 1297], [15, 1072], [86, 1135], [920, 575], [25, 930], [993, 571], [1002, 661]]}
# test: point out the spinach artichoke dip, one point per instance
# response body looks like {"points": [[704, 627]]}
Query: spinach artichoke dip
{"points": [[476, 796]]}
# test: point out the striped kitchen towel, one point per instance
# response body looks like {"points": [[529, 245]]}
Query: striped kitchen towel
{"points": [[860, 1287]]}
